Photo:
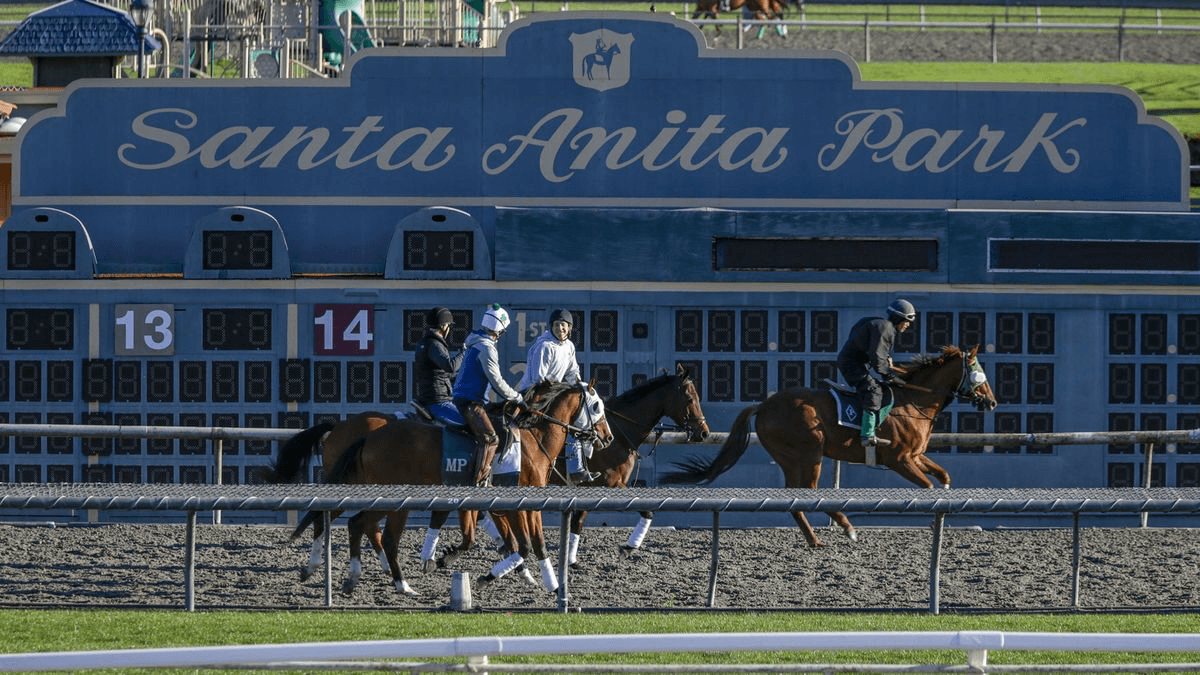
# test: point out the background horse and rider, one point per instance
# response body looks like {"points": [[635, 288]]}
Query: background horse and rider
{"points": [[800, 427], [761, 10]]}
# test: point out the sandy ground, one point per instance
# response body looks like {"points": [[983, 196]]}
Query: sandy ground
{"points": [[247, 566]]}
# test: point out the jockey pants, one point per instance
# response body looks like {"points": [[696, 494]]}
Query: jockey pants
{"points": [[485, 434], [446, 413]]}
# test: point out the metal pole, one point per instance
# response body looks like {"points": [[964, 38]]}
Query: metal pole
{"points": [[141, 52], [935, 564], [1075, 550], [712, 567], [867, 39], [740, 30], [219, 451], [328, 558], [1149, 471], [994, 59], [564, 532], [189, 564]]}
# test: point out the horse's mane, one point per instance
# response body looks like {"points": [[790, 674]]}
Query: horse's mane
{"points": [[922, 361], [635, 395], [541, 395]]}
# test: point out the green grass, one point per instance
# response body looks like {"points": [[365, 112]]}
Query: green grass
{"points": [[53, 630]]}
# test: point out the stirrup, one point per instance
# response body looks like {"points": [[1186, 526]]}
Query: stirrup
{"points": [[872, 441], [584, 476]]}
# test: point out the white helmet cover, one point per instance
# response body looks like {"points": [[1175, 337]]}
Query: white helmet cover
{"points": [[495, 319]]}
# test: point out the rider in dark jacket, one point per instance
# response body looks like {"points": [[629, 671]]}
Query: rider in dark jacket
{"points": [[434, 368], [867, 349]]}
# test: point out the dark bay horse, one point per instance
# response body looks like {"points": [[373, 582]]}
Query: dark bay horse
{"points": [[761, 10], [373, 460], [632, 416], [797, 428]]}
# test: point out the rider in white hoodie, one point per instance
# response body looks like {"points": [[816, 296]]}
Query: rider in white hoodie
{"points": [[552, 358]]}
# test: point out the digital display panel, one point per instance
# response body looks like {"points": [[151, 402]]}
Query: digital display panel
{"points": [[237, 329], [1062, 255], [439, 250], [788, 254], [237, 249], [41, 251], [40, 328]]}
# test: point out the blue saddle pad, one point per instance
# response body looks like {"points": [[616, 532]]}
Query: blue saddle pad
{"points": [[850, 412], [458, 458]]}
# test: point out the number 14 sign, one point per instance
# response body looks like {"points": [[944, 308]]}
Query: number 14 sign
{"points": [[344, 330]]}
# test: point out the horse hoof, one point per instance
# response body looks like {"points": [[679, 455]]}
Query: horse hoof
{"points": [[403, 588], [486, 579], [348, 586], [852, 534], [305, 573], [427, 566], [624, 551], [575, 566]]}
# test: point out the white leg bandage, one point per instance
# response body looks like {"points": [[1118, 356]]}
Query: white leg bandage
{"points": [[572, 548], [639, 533], [549, 578], [507, 565], [355, 569], [387, 569], [317, 553], [431, 542]]}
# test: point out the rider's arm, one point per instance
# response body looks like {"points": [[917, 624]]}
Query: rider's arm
{"points": [[491, 369], [879, 354]]}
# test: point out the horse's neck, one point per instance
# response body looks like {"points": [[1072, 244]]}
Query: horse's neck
{"points": [[642, 422], [939, 397]]}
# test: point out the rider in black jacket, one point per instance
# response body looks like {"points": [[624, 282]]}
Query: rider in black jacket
{"points": [[867, 349], [434, 368]]}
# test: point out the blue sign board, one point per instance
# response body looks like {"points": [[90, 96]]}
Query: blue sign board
{"points": [[599, 109]]}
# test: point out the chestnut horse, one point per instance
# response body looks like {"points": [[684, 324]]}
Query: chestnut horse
{"points": [[373, 460], [761, 10], [797, 428]]}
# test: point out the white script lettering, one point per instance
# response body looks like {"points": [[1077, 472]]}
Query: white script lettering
{"points": [[242, 147], [883, 132], [759, 148]]}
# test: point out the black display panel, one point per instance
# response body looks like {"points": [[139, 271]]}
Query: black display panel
{"points": [[41, 251], [754, 331], [393, 380], [894, 255], [1052, 255], [791, 331], [689, 327], [40, 328], [604, 330], [452, 250], [721, 326], [237, 329], [238, 249]]}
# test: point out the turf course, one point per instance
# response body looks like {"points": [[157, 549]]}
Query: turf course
{"points": [[50, 630]]}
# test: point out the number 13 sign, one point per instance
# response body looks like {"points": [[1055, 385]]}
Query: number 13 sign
{"points": [[344, 330]]}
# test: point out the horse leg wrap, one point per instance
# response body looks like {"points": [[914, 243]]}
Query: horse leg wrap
{"points": [[549, 578], [316, 554], [639, 533], [572, 548], [431, 542], [383, 562], [507, 565]]}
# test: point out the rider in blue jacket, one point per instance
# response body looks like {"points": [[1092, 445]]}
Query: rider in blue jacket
{"points": [[481, 369], [869, 349]]}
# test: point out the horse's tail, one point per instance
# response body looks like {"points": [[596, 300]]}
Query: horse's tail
{"points": [[345, 470], [295, 454], [696, 470]]}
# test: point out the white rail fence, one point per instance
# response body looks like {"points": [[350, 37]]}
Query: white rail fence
{"points": [[475, 654]]}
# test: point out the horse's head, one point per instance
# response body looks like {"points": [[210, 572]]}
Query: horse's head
{"points": [[974, 386], [591, 418], [684, 406]]}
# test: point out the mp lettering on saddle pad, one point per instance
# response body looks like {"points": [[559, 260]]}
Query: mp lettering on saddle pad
{"points": [[579, 108]]}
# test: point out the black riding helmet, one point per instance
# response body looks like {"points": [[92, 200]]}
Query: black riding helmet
{"points": [[438, 316], [562, 315], [901, 310]]}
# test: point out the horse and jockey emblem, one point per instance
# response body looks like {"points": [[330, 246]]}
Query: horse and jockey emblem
{"points": [[600, 59]]}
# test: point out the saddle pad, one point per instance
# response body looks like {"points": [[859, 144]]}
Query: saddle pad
{"points": [[850, 412], [458, 458]]}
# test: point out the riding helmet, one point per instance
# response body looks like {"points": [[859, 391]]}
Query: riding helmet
{"points": [[902, 310], [438, 316], [495, 319], [562, 315]]}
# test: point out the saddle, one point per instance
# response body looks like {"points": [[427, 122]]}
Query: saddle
{"points": [[460, 452], [849, 410]]}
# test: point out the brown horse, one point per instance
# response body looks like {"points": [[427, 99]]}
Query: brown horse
{"points": [[543, 432], [798, 428], [761, 10]]}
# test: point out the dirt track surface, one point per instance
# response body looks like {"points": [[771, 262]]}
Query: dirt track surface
{"points": [[245, 566], [944, 45]]}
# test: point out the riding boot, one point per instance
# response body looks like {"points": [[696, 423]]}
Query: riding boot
{"points": [[486, 440], [868, 438], [578, 471]]}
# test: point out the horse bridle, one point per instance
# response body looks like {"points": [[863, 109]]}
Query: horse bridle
{"points": [[972, 379]]}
